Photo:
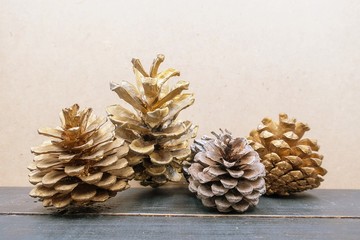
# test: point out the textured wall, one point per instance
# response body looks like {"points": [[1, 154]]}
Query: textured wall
{"points": [[245, 60]]}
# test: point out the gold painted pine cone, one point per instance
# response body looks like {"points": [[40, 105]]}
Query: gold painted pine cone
{"points": [[158, 141], [226, 173], [82, 163], [292, 163]]}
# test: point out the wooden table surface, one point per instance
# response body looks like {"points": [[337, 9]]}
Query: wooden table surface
{"points": [[174, 213]]}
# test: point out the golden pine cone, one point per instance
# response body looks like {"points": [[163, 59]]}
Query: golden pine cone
{"points": [[226, 173], [82, 163], [158, 141], [292, 163]]}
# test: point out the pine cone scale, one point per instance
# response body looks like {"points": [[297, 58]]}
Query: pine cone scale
{"points": [[235, 173], [83, 193], [65, 187], [161, 157]]}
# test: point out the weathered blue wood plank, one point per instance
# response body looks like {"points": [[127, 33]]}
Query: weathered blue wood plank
{"points": [[178, 201], [134, 227]]}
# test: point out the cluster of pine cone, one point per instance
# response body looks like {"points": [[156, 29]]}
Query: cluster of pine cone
{"points": [[89, 160]]}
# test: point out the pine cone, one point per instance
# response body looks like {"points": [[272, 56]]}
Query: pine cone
{"points": [[226, 173], [292, 164], [82, 163], [158, 142]]}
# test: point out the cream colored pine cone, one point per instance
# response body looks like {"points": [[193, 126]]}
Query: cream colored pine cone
{"points": [[226, 173], [292, 162], [82, 162], [158, 140]]}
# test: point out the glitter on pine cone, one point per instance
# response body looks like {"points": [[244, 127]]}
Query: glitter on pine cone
{"points": [[82, 163], [226, 173], [158, 141], [292, 163]]}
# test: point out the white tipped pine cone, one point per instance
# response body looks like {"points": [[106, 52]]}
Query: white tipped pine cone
{"points": [[82, 163], [226, 173], [292, 163], [158, 141]]}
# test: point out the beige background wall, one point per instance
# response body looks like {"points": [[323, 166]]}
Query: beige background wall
{"points": [[245, 60]]}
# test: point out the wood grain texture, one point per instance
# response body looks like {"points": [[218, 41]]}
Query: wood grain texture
{"points": [[174, 213], [132, 227], [179, 201]]}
